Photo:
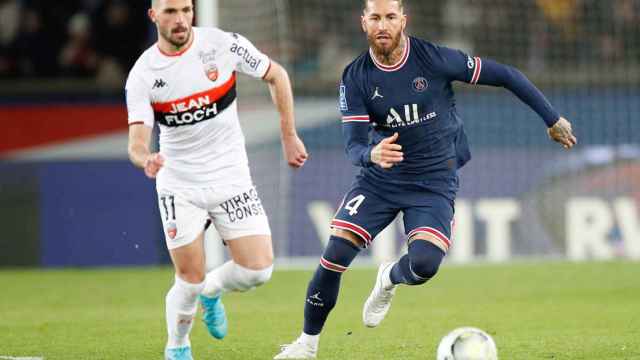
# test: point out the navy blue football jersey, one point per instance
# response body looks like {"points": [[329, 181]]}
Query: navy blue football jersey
{"points": [[415, 99]]}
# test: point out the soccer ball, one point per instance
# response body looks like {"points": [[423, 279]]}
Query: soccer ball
{"points": [[467, 343]]}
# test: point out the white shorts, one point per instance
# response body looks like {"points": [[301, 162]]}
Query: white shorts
{"points": [[235, 211]]}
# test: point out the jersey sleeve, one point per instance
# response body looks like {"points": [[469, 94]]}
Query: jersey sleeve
{"points": [[352, 104], [138, 101], [355, 122], [248, 59], [456, 65]]}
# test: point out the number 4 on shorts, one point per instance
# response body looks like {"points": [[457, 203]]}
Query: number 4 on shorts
{"points": [[353, 204]]}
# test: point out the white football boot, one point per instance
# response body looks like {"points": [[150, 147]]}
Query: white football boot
{"points": [[298, 349], [379, 301]]}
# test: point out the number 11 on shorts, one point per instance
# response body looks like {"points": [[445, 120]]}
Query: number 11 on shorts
{"points": [[169, 211], [353, 204]]}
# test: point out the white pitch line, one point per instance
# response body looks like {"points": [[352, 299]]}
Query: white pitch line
{"points": [[20, 358]]}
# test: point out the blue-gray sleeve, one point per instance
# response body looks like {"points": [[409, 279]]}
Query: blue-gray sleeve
{"points": [[462, 67]]}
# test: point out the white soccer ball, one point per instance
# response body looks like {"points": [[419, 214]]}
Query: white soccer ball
{"points": [[467, 343]]}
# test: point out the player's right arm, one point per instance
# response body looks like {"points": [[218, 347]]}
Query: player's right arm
{"points": [[139, 154], [355, 128], [141, 122]]}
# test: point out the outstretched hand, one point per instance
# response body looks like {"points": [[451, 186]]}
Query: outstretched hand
{"points": [[387, 153], [561, 133], [152, 164]]}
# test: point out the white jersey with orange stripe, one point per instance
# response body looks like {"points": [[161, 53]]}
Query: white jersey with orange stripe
{"points": [[192, 97]]}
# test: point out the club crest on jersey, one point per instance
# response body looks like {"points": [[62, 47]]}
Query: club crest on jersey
{"points": [[172, 230], [212, 71], [420, 84]]}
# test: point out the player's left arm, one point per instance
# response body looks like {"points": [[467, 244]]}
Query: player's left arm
{"points": [[496, 74], [282, 96], [253, 62], [462, 67]]}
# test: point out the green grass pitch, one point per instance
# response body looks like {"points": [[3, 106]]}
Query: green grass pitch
{"points": [[536, 311]]}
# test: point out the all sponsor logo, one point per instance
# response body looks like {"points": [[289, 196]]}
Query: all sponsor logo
{"points": [[411, 114]]}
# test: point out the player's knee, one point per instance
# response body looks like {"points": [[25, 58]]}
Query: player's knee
{"points": [[185, 287], [425, 269], [349, 236], [248, 279], [425, 259], [193, 276]]}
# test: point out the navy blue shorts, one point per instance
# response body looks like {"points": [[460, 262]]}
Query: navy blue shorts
{"points": [[366, 211]]}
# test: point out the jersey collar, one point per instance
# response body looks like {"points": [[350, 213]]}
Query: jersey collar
{"points": [[397, 66]]}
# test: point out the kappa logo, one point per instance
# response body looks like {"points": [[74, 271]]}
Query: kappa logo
{"points": [[159, 84], [376, 94]]}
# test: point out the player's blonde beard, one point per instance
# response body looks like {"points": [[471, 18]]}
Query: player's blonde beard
{"points": [[385, 53]]}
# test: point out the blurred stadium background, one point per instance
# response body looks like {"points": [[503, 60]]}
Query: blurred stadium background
{"points": [[69, 196]]}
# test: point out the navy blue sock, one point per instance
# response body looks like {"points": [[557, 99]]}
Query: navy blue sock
{"points": [[322, 292], [420, 264]]}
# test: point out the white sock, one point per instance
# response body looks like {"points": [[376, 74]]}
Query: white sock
{"points": [[233, 277], [312, 340], [181, 307]]}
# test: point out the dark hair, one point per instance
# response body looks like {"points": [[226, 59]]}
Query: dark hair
{"points": [[366, 2]]}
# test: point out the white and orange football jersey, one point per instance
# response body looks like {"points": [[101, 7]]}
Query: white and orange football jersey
{"points": [[192, 97]]}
